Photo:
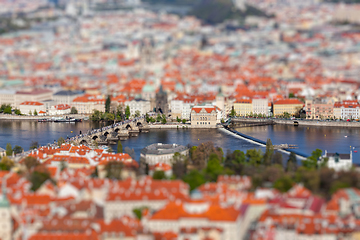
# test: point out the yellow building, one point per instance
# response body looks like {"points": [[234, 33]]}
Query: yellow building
{"points": [[243, 107], [290, 106]]}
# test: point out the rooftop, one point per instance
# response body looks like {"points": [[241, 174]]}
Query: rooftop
{"points": [[160, 149]]}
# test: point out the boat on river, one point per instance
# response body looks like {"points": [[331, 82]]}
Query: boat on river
{"points": [[45, 120], [67, 120]]}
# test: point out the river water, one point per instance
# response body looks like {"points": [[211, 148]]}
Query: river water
{"points": [[23, 133]]}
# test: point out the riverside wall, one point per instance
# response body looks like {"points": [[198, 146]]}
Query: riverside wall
{"points": [[319, 123], [306, 123], [35, 118]]}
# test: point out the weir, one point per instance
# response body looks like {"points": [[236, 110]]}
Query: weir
{"points": [[299, 155]]}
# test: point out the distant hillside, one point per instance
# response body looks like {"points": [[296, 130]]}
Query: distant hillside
{"points": [[343, 1], [216, 11], [213, 11], [173, 2]]}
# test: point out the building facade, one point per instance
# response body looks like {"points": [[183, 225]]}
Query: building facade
{"points": [[204, 117], [243, 107], [162, 153], [346, 110], [318, 109], [291, 106]]}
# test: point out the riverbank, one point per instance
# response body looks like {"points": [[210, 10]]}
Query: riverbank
{"points": [[319, 123], [35, 118], [306, 122], [177, 126]]}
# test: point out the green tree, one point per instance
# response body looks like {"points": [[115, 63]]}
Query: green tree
{"points": [[232, 113], [277, 158], [291, 165], [254, 156], [17, 112], [7, 110], [96, 116], [34, 145], [109, 117], [38, 177], [158, 118], [119, 113], [283, 184], [158, 175], [268, 152], [291, 95], [127, 112], [195, 179], [114, 169], [119, 147], [213, 168], [137, 113], [286, 115], [163, 120], [183, 121], [9, 149], [309, 177], [152, 120], [179, 164], [178, 119], [338, 185], [312, 161], [107, 104], [17, 149], [30, 162], [60, 141], [139, 212], [235, 161], [35, 113], [6, 163], [73, 110], [30, 113], [4, 106]]}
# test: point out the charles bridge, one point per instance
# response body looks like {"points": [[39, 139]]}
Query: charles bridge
{"points": [[112, 134]]}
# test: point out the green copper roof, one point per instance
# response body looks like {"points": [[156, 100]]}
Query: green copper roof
{"points": [[4, 203], [148, 88]]}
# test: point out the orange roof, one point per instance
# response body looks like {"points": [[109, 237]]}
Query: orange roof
{"points": [[29, 103], [288, 101], [215, 212]]}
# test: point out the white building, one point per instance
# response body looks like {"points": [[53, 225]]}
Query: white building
{"points": [[86, 104], [143, 106], [162, 153], [65, 97], [36, 95], [181, 107], [28, 106], [339, 161], [346, 110], [60, 109], [260, 106]]}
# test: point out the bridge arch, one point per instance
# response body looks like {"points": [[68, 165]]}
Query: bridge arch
{"points": [[128, 126], [106, 133], [83, 142], [139, 124], [117, 130], [95, 137]]}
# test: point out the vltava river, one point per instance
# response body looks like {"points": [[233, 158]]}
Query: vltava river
{"points": [[22, 133]]}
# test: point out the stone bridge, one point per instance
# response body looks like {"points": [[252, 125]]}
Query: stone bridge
{"points": [[112, 134]]}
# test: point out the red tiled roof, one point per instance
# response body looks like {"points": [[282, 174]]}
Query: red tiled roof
{"points": [[287, 101], [32, 103]]}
